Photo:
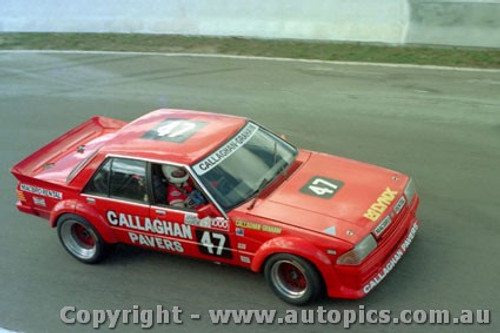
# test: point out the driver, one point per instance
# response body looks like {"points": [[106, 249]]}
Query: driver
{"points": [[180, 190]]}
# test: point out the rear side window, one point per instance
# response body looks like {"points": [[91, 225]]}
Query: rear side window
{"points": [[120, 178], [99, 184], [128, 180]]}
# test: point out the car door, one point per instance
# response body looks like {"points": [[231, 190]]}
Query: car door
{"points": [[118, 191], [207, 238]]}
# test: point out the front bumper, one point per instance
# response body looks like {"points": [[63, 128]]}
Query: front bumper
{"points": [[357, 281]]}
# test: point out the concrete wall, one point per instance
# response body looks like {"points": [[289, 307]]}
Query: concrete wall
{"points": [[469, 22]]}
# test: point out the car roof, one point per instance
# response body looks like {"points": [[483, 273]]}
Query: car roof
{"points": [[179, 136]]}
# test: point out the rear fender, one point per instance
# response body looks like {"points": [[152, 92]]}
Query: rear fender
{"points": [[92, 215], [62, 207]]}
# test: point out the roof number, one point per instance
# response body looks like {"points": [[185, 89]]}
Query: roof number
{"points": [[176, 128]]}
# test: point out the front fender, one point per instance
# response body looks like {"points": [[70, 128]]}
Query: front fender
{"points": [[296, 246]]}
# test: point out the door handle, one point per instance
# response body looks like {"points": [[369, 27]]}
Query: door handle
{"points": [[160, 212]]}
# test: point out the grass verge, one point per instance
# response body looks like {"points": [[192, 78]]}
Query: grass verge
{"points": [[443, 56]]}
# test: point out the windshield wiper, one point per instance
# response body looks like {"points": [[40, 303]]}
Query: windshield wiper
{"points": [[275, 159], [283, 170], [261, 187], [275, 152]]}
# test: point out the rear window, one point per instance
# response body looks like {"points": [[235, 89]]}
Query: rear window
{"points": [[80, 165]]}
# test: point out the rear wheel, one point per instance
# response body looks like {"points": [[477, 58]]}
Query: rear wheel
{"points": [[81, 239], [293, 279]]}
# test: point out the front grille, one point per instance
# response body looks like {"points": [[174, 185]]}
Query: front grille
{"points": [[396, 220], [393, 227]]}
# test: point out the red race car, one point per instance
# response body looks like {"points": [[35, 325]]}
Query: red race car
{"points": [[224, 189]]}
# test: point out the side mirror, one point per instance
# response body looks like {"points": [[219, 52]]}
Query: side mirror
{"points": [[208, 210]]}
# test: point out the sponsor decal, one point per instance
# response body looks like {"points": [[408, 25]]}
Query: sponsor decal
{"points": [[174, 130], [210, 162], [382, 226], [245, 259], [240, 232], [399, 205], [155, 242], [145, 224], [322, 187], [195, 221], [41, 191], [217, 223], [330, 231], [393, 261], [379, 206], [242, 246], [213, 243], [39, 201], [257, 226]]}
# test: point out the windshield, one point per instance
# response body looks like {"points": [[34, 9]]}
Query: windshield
{"points": [[236, 171]]}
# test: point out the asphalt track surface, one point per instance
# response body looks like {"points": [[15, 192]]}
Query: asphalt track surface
{"points": [[441, 126]]}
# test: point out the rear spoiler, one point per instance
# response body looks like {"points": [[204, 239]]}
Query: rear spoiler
{"points": [[70, 141]]}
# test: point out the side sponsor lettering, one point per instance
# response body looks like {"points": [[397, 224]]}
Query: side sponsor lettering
{"points": [[240, 223], [145, 224], [155, 242]]}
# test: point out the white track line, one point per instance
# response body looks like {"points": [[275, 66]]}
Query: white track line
{"points": [[312, 61], [3, 330]]}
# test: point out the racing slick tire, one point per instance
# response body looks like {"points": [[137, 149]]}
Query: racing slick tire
{"points": [[293, 279], [81, 239]]}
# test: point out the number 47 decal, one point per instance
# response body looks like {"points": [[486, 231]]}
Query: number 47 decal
{"points": [[213, 243], [206, 241], [322, 187]]}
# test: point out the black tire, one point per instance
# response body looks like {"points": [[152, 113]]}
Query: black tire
{"points": [[294, 279], [81, 239]]}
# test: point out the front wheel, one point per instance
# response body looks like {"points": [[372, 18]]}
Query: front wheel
{"points": [[292, 278], [81, 239]]}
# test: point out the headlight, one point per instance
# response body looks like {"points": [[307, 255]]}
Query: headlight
{"points": [[360, 252], [410, 191]]}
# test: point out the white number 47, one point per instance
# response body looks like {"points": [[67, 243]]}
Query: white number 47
{"points": [[322, 187], [175, 128], [206, 240]]}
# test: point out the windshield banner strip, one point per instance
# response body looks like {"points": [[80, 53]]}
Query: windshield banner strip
{"points": [[226, 150]]}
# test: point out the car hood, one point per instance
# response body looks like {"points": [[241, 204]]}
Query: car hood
{"points": [[334, 195]]}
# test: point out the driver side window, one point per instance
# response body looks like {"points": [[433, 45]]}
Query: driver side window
{"points": [[174, 187]]}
